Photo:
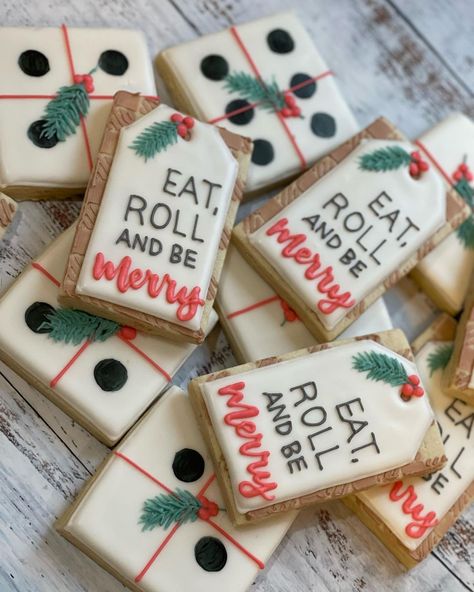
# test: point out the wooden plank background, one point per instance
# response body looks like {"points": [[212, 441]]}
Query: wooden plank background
{"points": [[410, 60]]}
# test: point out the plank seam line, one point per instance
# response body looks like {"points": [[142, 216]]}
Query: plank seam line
{"points": [[434, 553]]}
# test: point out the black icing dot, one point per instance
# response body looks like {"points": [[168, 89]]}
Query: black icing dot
{"points": [[323, 125], [110, 375], [214, 67], [306, 91], [210, 554], [113, 62], [263, 152], [36, 315], [38, 138], [188, 465], [33, 63], [280, 41], [243, 117]]}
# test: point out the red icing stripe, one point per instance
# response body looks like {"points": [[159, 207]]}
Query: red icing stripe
{"points": [[435, 162], [46, 273], [254, 306], [142, 470], [146, 357], [58, 377]]}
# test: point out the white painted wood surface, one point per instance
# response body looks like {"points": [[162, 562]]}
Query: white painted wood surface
{"points": [[410, 60]]}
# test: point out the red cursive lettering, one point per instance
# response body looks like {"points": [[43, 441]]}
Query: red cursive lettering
{"points": [[245, 429], [303, 256], [188, 300], [420, 524]]}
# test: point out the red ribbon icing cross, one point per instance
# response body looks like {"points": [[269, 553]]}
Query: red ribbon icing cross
{"points": [[170, 535], [238, 39], [124, 335], [435, 162], [74, 78], [288, 312]]}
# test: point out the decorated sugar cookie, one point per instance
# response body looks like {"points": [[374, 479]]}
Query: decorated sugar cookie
{"points": [[156, 221], [101, 373], [56, 91], [458, 380], [317, 424], [263, 79], [260, 324], [411, 515], [336, 238], [168, 529], [7, 211], [445, 272]]}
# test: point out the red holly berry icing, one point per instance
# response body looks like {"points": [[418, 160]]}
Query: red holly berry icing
{"points": [[86, 80], [463, 172], [412, 388], [208, 509], [183, 124], [289, 314], [127, 333], [290, 109], [417, 166]]}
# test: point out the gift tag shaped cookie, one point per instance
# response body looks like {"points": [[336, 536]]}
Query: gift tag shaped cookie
{"points": [[156, 220], [260, 324], [7, 211], [411, 515], [56, 92], [263, 79], [458, 380], [101, 373], [445, 272], [168, 529], [317, 424], [348, 229]]}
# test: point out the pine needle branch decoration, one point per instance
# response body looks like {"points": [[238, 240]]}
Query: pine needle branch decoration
{"points": [[380, 367], [466, 191], [154, 139], [385, 159], [74, 326], [267, 95], [465, 233], [169, 508], [439, 358], [63, 113]]}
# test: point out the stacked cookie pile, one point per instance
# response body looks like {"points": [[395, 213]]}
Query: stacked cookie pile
{"points": [[330, 400]]}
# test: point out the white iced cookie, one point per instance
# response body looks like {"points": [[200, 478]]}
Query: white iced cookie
{"points": [[266, 80], [445, 272], [56, 91], [316, 424], [168, 530], [412, 509], [102, 374], [260, 324]]}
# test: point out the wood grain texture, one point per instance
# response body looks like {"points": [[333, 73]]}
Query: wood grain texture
{"points": [[409, 61]]}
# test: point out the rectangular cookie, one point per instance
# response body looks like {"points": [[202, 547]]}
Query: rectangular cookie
{"points": [[344, 232], [101, 374], [56, 92], [7, 211], [411, 515], [317, 424], [167, 531], [259, 324], [458, 380], [156, 220], [444, 273], [264, 79]]}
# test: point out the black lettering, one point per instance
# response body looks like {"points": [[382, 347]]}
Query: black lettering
{"points": [[320, 420], [290, 449], [360, 221], [378, 201], [154, 211], [212, 186], [190, 189], [139, 205], [339, 201], [190, 259], [438, 483], [299, 462], [124, 238], [169, 183], [309, 392], [318, 455], [354, 425]]}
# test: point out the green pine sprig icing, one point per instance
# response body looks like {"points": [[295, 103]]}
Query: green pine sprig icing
{"points": [[169, 508], [380, 367], [439, 358], [385, 159], [465, 232], [267, 95], [74, 326], [63, 113], [159, 136]]}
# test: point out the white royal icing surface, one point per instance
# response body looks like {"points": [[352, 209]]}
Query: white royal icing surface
{"points": [[383, 243], [206, 157], [398, 427], [212, 97], [66, 164], [448, 266], [439, 491], [271, 329], [107, 519], [111, 413]]}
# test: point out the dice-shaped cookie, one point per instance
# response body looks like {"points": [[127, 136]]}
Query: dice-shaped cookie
{"points": [[102, 374], [56, 91], [263, 79], [167, 530]]}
